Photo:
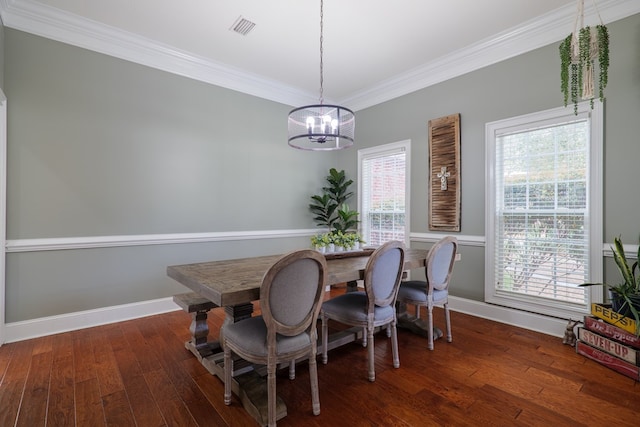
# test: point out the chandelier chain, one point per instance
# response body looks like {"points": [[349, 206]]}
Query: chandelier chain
{"points": [[321, 51]]}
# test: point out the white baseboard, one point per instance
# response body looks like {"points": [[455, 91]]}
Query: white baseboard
{"points": [[18, 331], [522, 319]]}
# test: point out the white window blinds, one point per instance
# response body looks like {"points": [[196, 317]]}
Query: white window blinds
{"points": [[543, 212], [383, 175], [542, 230]]}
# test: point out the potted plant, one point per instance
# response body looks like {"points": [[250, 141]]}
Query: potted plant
{"points": [[321, 241], [339, 240], [625, 296], [332, 212], [359, 241], [348, 241], [325, 206], [578, 53]]}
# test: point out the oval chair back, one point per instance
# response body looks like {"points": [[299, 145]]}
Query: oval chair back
{"points": [[291, 294], [373, 308]]}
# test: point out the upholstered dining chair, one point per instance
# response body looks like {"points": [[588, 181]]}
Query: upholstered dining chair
{"points": [[435, 291], [372, 308], [291, 294]]}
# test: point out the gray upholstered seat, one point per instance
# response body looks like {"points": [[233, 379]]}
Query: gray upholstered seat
{"points": [[435, 291], [290, 297], [373, 308]]}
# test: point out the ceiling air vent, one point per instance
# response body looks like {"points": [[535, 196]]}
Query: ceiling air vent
{"points": [[242, 26]]}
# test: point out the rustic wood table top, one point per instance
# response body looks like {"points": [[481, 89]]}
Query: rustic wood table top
{"points": [[237, 281]]}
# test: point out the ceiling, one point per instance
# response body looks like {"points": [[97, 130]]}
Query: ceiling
{"points": [[374, 50]]}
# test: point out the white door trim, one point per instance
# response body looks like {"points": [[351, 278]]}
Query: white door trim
{"points": [[3, 209]]}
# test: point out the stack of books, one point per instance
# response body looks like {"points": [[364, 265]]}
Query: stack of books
{"points": [[610, 339]]}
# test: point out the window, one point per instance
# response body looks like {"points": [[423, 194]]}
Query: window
{"points": [[544, 204], [383, 188]]}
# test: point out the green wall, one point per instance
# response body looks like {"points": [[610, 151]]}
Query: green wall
{"points": [[102, 146], [520, 85], [99, 146]]}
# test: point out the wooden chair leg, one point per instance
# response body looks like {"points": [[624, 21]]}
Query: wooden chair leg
{"points": [[271, 393], [447, 317], [292, 369], [325, 339], [371, 357], [394, 345], [430, 326], [313, 377], [364, 337], [228, 368]]}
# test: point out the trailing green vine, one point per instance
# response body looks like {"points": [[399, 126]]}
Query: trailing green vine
{"points": [[584, 49], [574, 87], [603, 59], [565, 62]]}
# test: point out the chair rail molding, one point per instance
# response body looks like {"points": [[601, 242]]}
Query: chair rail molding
{"points": [[89, 242], [463, 240]]}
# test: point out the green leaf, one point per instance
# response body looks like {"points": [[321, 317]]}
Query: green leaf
{"points": [[621, 261]]}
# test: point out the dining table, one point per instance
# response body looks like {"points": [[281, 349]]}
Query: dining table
{"points": [[234, 284]]}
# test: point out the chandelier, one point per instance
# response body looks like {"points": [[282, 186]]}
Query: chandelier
{"points": [[321, 127]]}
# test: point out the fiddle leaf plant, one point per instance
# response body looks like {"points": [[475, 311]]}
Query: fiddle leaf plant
{"points": [[346, 220], [323, 207], [329, 208]]}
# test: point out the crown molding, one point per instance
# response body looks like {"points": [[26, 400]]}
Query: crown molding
{"points": [[536, 33], [45, 21]]}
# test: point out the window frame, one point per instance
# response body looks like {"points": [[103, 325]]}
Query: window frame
{"points": [[594, 209], [380, 151]]}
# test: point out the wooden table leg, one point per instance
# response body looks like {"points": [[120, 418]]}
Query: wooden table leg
{"points": [[414, 324], [352, 286]]}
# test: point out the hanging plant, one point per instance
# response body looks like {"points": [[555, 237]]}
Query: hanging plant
{"points": [[578, 53]]}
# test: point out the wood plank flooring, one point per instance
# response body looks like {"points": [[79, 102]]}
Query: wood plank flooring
{"points": [[138, 373]]}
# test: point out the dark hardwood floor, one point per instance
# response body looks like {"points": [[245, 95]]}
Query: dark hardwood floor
{"points": [[138, 373]]}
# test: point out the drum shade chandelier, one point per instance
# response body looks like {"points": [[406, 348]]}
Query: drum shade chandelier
{"points": [[321, 127]]}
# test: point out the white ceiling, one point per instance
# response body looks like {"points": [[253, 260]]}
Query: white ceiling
{"points": [[374, 50]]}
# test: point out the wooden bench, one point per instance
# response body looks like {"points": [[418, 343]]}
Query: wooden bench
{"points": [[198, 307]]}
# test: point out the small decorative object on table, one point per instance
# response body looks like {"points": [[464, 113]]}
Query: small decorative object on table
{"points": [[337, 241]]}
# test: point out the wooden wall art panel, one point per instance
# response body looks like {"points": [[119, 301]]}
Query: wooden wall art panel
{"points": [[444, 173]]}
